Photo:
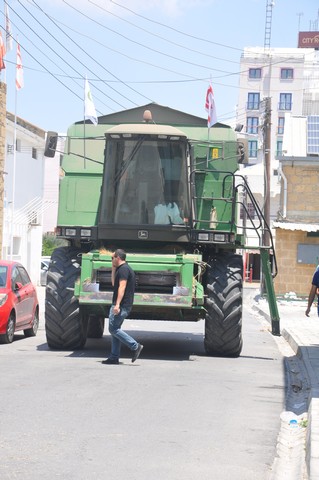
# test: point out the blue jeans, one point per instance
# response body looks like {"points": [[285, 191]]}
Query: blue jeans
{"points": [[118, 336]]}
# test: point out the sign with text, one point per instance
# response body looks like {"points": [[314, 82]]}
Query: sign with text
{"points": [[308, 40]]}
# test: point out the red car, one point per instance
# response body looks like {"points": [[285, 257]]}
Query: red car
{"points": [[19, 306]]}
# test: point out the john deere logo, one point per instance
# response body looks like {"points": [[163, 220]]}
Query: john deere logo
{"points": [[142, 234]]}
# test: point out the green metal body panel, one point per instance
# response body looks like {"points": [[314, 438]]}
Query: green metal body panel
{"points": [[80, 187], [214, 195], [184, 267]]}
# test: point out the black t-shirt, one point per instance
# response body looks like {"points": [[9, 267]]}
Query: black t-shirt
{"points": [[124, 272]]}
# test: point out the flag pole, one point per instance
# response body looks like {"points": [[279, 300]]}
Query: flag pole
{"points": [[18, 85], [5, 29], [208, 139], [84, 146], [13, 172]]}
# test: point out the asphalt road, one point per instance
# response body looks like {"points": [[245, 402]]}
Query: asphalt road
{"points": [[174, 414]]}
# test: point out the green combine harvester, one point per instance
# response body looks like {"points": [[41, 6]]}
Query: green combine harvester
{"points": [[171, 199]]}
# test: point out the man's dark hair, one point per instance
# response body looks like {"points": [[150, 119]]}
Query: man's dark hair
{"points": [[120, 254]]}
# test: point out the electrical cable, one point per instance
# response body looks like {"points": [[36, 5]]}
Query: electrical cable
{"points": [[37, 61], [159, 36], [143, 45], [176, 30], [129, 57], [85, 66], [102, 66], [58, 66]]}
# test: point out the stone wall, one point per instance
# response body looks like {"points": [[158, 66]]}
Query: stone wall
{"points": [[292, 276], [302, 193], [301, 208]]}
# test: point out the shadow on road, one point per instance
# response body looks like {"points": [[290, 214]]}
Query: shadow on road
{"points": [[172, 346]]}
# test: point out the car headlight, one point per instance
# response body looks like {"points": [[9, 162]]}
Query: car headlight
{"points": [[3, 298]]}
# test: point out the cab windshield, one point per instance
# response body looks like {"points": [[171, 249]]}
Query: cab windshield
{"points": [[145, 182]]}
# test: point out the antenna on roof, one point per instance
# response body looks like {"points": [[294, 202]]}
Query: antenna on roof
{"points": [[269, 6], [314, 24], [300, 14]]}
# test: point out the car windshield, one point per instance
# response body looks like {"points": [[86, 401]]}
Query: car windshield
{"points": [[145, 182], [3, 276]]}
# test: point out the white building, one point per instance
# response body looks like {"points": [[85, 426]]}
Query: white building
{"points": [[289, 78], [28, 194]]}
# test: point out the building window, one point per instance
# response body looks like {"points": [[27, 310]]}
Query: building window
{"points": [[281, 125], [287, 74], [279, 148], [313, 135], [255, 73], [252, 124], [252, 148], [18, 145], [34, 153], [253, 101], [248, 212], [9, 148], [285, 101]]}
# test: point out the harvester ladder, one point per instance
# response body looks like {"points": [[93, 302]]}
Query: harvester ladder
{"points": [[269, 283], [259, 226]]}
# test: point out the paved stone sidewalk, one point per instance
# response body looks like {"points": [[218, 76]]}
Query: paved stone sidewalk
{"points": [[302, 334]]}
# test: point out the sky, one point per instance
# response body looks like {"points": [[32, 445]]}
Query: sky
{"points": [[134, 52]]}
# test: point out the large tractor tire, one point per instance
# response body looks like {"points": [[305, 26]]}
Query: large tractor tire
{"points": [[96, 326], [223, 321], [65, 327]]}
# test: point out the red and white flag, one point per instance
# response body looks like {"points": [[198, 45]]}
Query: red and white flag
{"points": [[19, 76], [2, 52], [210, 107], [9, 42]]}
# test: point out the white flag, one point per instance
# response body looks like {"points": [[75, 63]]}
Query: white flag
{"points": [[89, 108], [19, 75], [210, 107], [9, 43]]}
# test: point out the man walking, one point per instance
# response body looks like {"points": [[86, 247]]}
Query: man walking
{"points": [[313, 291], [123, 281]]}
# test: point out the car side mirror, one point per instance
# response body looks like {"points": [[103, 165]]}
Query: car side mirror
{"points": [[18, 286]]}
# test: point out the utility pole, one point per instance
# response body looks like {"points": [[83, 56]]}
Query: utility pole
{"points": [[267, 168]]}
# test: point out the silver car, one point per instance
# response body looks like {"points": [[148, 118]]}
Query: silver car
{"points": [[44, 271]]}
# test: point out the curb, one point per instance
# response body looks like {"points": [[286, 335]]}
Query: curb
{"points": [[312, 438]]}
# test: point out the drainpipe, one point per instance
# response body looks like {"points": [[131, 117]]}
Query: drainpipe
{"points": [[282, 175]]}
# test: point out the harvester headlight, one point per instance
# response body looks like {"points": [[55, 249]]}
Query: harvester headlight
{"points": [[219, 237], [70, 231], [203, 236], [85, 232]]}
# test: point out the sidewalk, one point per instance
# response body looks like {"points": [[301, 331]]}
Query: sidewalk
{"points": [[302, 334]]}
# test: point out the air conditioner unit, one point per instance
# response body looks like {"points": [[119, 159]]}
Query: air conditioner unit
{"points": [[33, 218]]}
